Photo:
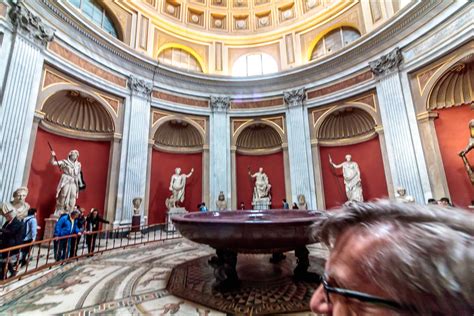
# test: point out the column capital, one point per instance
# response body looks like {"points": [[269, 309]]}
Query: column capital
{"points": [[387, 63], [294, 98], [220, 103], [30, 24], [139, 87]]}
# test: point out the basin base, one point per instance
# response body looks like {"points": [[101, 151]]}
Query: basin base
{"points": [[263, 287]]}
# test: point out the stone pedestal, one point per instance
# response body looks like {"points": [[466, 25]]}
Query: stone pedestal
{"points": [[262, 204], [169, 228], [49, 224], [136, 223]]}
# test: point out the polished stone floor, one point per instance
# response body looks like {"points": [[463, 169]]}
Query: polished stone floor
{"points": [[123, 282]]}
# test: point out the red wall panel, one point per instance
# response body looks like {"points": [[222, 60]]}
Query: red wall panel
{"points": [[162, 168], [369, 157], [44, 177], [452, 129], [272, 165]]}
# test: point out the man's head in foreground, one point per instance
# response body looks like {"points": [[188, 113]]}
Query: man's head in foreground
{"points": [[397, 259]]}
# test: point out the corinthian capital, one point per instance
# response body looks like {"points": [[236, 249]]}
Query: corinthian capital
{"points": [[220, 103], [387, 63], [294, 97], [140, 87], [30, 24]]}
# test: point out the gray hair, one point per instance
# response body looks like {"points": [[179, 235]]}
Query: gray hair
{"points": [[425, 258]]}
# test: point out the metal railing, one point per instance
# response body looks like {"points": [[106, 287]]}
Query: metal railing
{"points": [[25, 259]]}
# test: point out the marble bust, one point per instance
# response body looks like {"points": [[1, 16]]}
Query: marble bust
{"points": [[17, 204], [221, 203], [302, 205], [352, 180], [177, 187], [136, 205], [402, 196]]}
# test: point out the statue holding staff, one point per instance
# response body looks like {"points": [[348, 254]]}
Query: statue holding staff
{"points": [[352, 180]]}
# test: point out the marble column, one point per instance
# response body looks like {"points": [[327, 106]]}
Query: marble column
{"points": [[406, 170], [299, 147], [22, 82], [219, 151], [134, 156]]}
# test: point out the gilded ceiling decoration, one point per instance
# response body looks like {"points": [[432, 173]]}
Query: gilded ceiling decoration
{"points": [[258, 136], [455, 87], [178, 133], [346, 123], [75, 111]]}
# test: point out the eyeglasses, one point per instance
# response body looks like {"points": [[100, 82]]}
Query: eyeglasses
{"points": [[363, 297]]}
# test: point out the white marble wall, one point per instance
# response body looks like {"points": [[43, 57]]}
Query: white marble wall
{"points": [[220, 175], [299, 148], [134, 155]]}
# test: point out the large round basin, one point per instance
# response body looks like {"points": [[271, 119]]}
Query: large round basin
{"points": [[266, 231]]}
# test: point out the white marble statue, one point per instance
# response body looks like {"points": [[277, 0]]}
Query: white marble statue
{"points": [[221, 203], [302, 205], [262, 187], [402, 196], [352, 181], [17, 204], [177, 186], [67, 191]]}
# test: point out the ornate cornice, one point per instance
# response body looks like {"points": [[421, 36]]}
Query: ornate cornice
{"points": [[387, 63], [294, 98], [30, 25], [139, 87], [220, 103]]}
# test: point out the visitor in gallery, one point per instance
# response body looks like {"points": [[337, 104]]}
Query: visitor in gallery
{"points": [[445, 202], [76, 241], [10, 236], [30, 231], [432, 201], [65, 226], [242, 206], [92, 226], [203, 207], [295, 206], [390, 258], [285, 206]]}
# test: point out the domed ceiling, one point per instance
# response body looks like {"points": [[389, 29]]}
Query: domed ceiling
{"points": [[237, 18]]}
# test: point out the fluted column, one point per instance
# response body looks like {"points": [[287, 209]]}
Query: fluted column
{"points": [[19, 95], [220, 156], [404, 166], [134, 156], [299, 147]]}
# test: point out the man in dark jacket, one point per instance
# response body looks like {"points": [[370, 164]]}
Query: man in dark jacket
{"points": [[11, 235], [65, 226], [92, 225], [76, 241]]}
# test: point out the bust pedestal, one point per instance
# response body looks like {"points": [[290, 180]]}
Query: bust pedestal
{"points": [[169, 228], [261, 204], [49, 224]]}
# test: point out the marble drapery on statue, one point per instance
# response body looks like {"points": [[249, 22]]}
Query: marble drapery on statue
{"points": [[352, 180], [464, 152], [261, 190], [17, 204], [67, 191], [177, 188]]}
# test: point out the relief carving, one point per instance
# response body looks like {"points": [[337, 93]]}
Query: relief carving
{"points": [[140, 87], [220, 104], [387, 63], [30, 24], [294, 97]]}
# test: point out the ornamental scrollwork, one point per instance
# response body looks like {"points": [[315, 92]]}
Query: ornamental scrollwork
{"points": [[387, 63], [220, 103], [139, 87], [294, 98], [30, 24]]}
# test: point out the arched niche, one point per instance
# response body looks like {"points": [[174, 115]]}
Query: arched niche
{"points": [[259, 143], [349, 129], [177, 142], [73, 118]]}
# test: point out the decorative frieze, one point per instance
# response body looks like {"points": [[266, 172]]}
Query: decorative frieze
{"points": [[387, 63], [220, 103], [30, 25], [140, 87], [294, 97]]}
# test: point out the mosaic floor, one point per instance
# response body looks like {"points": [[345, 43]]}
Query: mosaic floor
{"points": [[126, 282]]}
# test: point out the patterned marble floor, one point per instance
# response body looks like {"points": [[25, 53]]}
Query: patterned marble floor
{"points": [[125, 282]]}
